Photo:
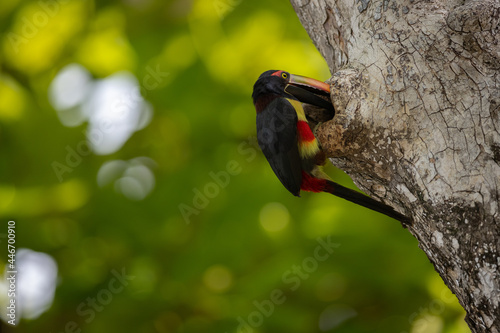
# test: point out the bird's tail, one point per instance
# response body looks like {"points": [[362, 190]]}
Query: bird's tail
{"points": [[364, 200]]}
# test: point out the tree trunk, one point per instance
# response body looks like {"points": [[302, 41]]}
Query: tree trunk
{"points": [[416, 88]]}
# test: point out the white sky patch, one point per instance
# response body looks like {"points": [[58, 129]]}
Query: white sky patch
{"points": [[36, 281], [68, 91], [70, 87], [133, 178], [115, 110], [113, 106]]}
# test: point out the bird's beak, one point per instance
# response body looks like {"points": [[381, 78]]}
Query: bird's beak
{"points": [[309, 90]]}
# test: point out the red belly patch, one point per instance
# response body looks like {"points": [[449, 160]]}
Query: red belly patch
{"points": [[312, 184]]}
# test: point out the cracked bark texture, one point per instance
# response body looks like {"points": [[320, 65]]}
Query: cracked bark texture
{"points": [[416, 87]]}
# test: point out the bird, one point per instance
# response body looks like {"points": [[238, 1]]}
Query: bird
{"points": [[289, 144]]}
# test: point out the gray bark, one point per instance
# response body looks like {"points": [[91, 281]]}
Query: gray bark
{"points": [[416, 87]]}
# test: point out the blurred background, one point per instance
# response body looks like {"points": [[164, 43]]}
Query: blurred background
{"points": [[141, 201]]}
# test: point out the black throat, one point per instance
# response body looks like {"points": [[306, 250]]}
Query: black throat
{"points": [[262, 101]]}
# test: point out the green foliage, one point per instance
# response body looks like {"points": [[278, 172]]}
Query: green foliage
{"points": [[243, 259]]}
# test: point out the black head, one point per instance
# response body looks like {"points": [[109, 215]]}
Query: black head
{"points": [[273, 83]]}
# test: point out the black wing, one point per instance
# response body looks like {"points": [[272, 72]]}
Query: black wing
{"points": [[277, 136]]}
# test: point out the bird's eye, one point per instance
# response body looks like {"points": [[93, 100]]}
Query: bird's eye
{"points": [[284, 75]]}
